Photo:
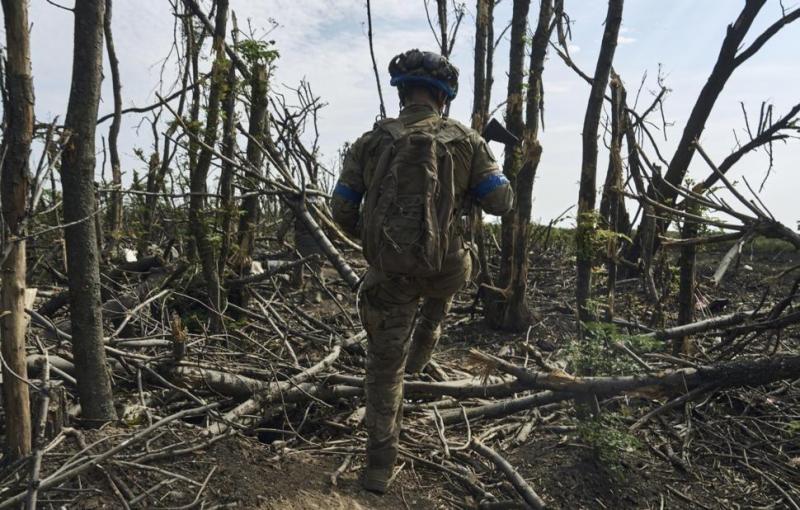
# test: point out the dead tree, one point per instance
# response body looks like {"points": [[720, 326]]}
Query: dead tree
{"points": [[514, 305], [731, 56], [445, 33], [115, 204], [226, 200], [612, 205], [77, 182], [17, 138], [197, 203], [586, 222], [259, 122], [480, 110], [495, 307]]}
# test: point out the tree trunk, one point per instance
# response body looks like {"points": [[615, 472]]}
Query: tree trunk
{"points": [[14, 190], [515, 124], [585, 231], [517, 312], [489, 56], [197, 203], [259, 121], [511, 311], [77, 182], [480, 110], [115, 204], [686, 299], [441, 9], [226, 205], [612, 205]]}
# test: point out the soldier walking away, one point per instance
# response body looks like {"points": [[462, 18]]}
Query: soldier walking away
{"points": [[416, 175]]}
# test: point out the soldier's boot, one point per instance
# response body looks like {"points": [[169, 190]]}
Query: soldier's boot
{"points": [[426, 336], [377, 476]]}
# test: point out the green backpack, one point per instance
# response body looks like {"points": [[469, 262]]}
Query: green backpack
{"points": [[410, 204]]}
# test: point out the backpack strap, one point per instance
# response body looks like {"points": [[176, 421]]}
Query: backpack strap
{"points": [[394, 127]]}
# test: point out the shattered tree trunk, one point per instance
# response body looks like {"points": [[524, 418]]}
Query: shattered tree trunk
{"points": [[251, 211], [115, 204], [612, 205], [198, 214], [585, 231], [14, 191], [496, 299], [77, 181], [514, 308], [480, 110]]}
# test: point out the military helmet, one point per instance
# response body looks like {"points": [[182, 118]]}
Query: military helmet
{"points": [[425, 67]]}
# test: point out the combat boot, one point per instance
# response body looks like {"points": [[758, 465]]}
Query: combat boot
{"points": [[377, 476], [376, 480], [423, 342]]}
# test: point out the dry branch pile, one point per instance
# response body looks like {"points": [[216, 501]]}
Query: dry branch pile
{"points": [[289, 372]]}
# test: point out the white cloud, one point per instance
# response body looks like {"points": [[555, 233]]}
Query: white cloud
{"points": [[625, 40]]}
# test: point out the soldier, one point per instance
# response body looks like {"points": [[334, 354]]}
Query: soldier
{"points": [[384, 164]]}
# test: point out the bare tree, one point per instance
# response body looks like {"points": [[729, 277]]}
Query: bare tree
{"points": [[496, 301], [198, 185], [585, 232], [77, 181], [480, 110], [731, 56], [14, 191], [115, 204], [511, 312], [259, 122]]}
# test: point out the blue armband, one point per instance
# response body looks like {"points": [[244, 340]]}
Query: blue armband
{"points": [[489, 184], [348, 193]]}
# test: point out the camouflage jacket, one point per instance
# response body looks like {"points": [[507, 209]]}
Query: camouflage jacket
{"points": [[476, 174]]}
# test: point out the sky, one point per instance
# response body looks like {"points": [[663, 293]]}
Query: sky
{"points": [[325, 43]]}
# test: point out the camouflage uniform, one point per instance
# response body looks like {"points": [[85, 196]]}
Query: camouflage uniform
{"points": [[388, 303]]}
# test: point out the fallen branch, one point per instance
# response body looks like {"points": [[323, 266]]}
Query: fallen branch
{"points": [[747, 372], [519, 483], [242, 414]]}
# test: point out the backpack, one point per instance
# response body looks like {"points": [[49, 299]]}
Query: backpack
{"points": [[410, 203]]}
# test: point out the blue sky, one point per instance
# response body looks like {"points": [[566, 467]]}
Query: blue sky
{"points": [[324, 41]]}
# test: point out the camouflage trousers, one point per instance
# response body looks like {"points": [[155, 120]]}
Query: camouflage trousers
{"points": [[388, 306]]}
